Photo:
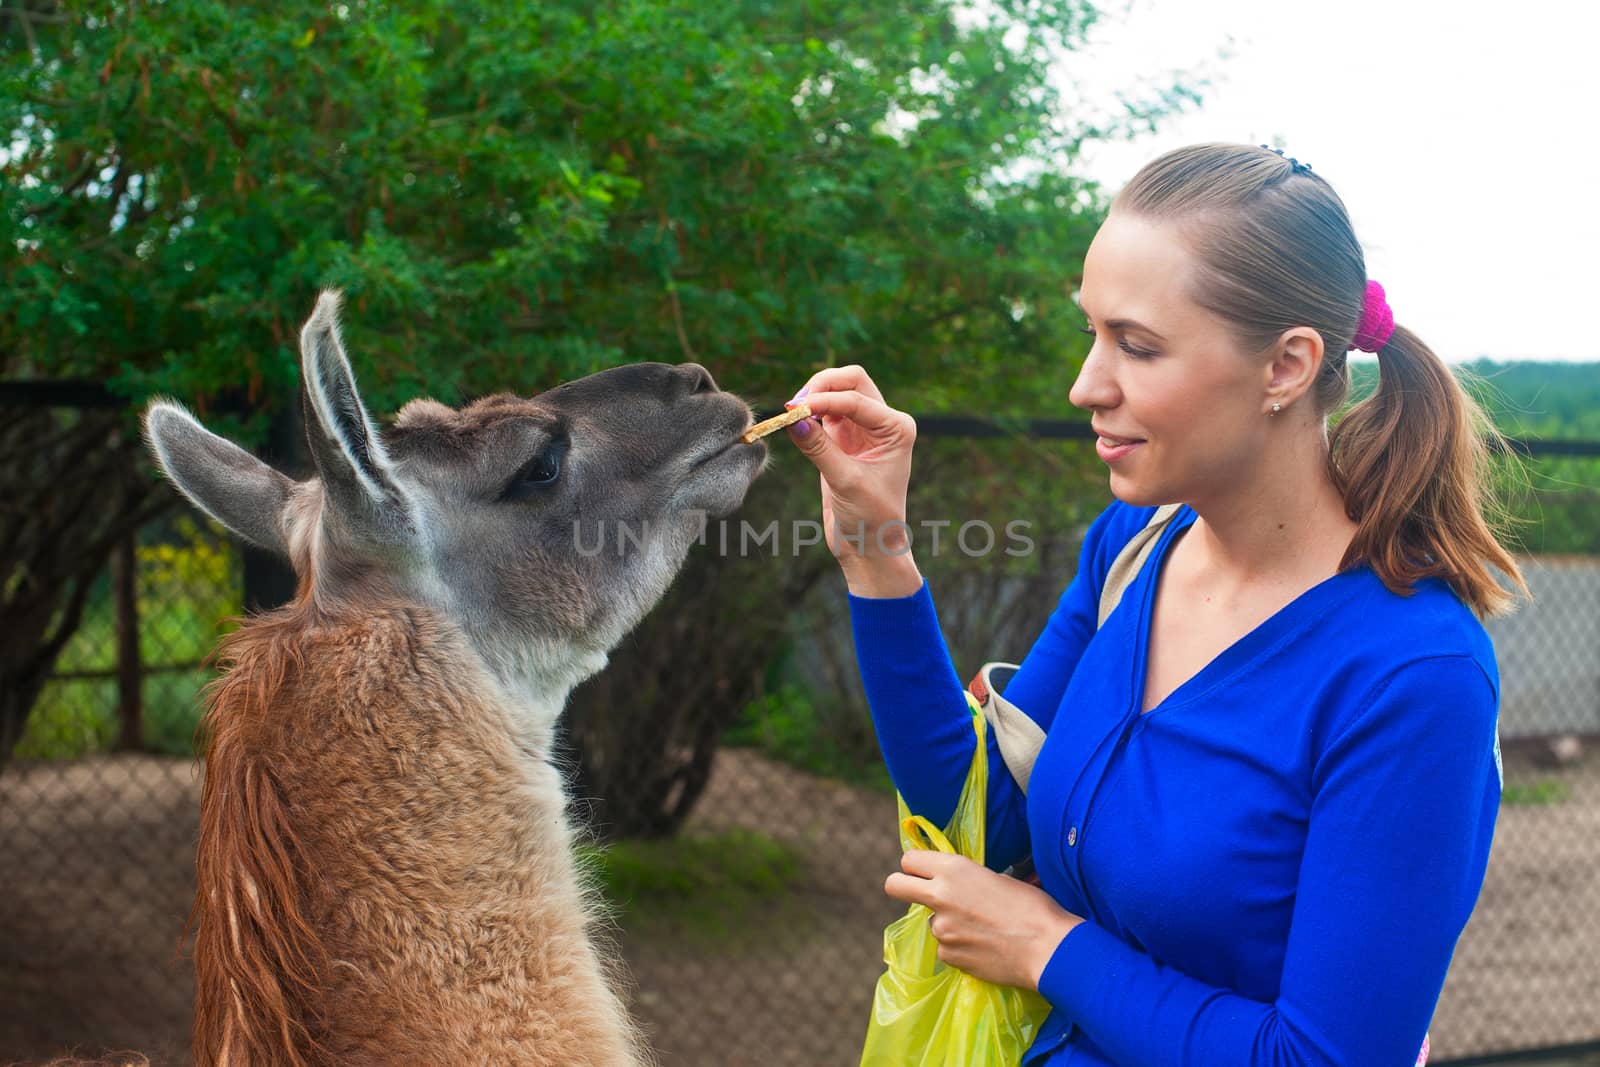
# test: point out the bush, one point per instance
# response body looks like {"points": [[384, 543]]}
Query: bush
{"points": [[188, 586], [707, 886], [829, 737]]}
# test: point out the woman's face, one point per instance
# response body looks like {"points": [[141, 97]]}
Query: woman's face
{"points": [[1180, 409]]}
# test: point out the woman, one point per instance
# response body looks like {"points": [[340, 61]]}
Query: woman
{"points": [[1263, 809]]}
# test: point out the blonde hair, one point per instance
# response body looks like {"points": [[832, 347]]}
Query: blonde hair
{"points": [[1276, 250]]}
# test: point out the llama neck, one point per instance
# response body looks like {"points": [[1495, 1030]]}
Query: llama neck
{"points": [[532, 690], [434, 864], [531, 676]]}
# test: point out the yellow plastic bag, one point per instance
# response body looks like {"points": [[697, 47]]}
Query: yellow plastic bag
{"points": [[927, 1014]]}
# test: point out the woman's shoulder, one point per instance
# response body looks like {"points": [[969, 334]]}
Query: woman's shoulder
{"points": [[1387, 670], [1425, 623]]}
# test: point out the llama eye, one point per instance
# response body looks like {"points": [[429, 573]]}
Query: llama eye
{"points": [[543, 471]]}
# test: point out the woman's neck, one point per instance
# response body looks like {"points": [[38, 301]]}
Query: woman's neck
{"points": [[1287, 523]]}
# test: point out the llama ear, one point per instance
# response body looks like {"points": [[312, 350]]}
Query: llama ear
{"points": [[219, 477], [356, 473]]}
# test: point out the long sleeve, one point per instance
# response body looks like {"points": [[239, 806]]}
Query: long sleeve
{"points": [[915, 693], [1403, 807]]}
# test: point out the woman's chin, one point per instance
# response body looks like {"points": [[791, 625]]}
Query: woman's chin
{"points": [[1136, 494]]}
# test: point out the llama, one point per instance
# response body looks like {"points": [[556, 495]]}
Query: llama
{"points": [[385, 867]]}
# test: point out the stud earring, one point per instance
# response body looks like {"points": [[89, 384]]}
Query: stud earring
{"points": [[1276, 407]]}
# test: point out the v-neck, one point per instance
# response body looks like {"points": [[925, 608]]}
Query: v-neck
{"points": [[1259, 640]]}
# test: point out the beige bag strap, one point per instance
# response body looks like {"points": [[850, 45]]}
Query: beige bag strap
{"points": [[1018, 737], [1130, 561]]}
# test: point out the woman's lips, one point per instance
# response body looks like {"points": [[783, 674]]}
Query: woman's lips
{"points": [[1112, 449]]}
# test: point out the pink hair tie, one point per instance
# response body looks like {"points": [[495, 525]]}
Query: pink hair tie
{"points": [[1377, 321]]}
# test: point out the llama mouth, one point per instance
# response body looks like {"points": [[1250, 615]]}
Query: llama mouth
{"points": [[737, 422], [727, 419], [733, 446], [717, 482]]}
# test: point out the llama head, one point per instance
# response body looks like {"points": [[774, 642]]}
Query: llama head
{"points": [[544, 527]]}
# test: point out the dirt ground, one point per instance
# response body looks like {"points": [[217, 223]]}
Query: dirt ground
{"points": [[96, 875]]}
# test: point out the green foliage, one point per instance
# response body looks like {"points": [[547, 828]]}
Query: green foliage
{"points": [[788, 725], [1553, 502], [516, 194], [188, 581], [705, 886], [1536, 794], [1541, 400], [1555, 499], [1524, 398], [197, 560], [69, 720]]}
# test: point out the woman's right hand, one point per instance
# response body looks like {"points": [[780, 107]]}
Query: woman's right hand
{"points": [[862, 448]]}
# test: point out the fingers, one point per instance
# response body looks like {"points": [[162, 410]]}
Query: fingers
{"points": [[886, 430], [917, 881], [862, 448], [926, 863], [837, 379], [860, 423], [813, 440], [868, 412], [910, 890]]}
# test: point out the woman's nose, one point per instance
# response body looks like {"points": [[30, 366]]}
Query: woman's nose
{"points": [[1094, 388]]}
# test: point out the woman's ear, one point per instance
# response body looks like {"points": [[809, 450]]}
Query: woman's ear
{"points": [[1296, 360]]}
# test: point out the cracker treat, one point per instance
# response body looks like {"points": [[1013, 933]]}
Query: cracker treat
{"points": [[777, 422]]}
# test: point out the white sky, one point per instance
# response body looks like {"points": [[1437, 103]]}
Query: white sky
{"points": [[1452, 132]]}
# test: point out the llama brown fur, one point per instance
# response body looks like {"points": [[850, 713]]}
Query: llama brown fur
{"points": [[384, 876]]}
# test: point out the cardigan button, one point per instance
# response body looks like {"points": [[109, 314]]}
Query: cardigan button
{"points": [[1072, 837]]}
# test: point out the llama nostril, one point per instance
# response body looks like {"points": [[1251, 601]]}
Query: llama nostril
{"points": [[698, 378]]}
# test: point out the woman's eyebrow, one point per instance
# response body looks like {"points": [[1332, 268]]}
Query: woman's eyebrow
{"points": [[1122, 324]]}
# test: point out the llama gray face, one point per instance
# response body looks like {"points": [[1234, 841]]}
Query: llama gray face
{"points": [[546, 527], [560, 520]]}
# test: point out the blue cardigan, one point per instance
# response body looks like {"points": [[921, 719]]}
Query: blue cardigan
{"points": [[1275, 862]]}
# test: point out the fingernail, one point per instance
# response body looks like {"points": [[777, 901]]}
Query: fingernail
{"points": [[796, 398], [801, 428]]}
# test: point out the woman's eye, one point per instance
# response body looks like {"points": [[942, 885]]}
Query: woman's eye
{"points": [[1137, 353]]}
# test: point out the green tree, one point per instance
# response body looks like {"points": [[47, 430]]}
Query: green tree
{"points": [[1554, 499], [518, 194], [513, 195]]}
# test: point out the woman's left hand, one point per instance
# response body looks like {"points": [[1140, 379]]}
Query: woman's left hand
{"points": [[990, 925]]}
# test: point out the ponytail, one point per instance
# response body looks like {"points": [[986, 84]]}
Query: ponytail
{"points": [[1412, 463]]}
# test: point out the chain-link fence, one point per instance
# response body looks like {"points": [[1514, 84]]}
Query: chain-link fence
{"points": [[748, 828]]}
